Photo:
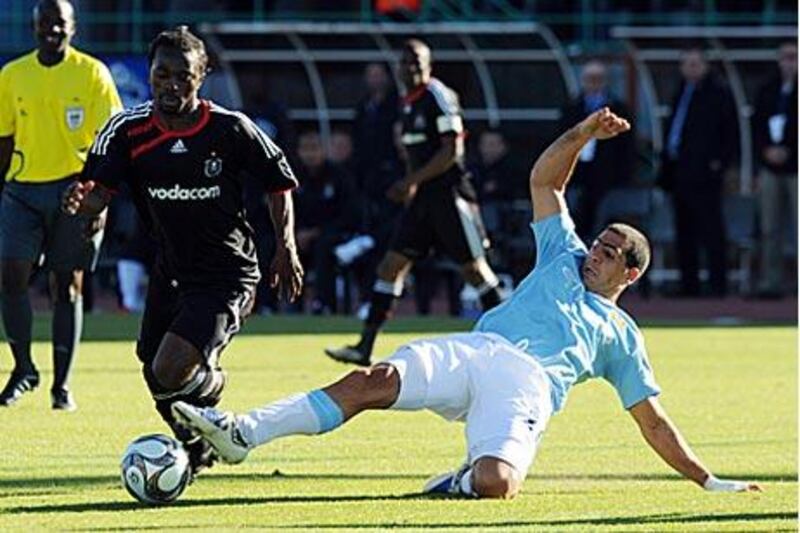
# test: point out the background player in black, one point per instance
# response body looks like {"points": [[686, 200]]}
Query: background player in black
{"points": [[441, 209], [186, 161]]}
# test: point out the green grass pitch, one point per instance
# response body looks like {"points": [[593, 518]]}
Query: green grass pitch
{"points": [[732, 391]]}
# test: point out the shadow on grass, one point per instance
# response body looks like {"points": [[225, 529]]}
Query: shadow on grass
{"points": [[10, 487], [605, 521], [643, 520], [211, 502], [13, 487]]}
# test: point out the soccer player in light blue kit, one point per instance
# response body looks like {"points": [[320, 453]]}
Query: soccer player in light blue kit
{"points": [[504, 379]]}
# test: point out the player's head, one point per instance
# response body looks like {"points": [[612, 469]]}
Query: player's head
{"points": [[593, 77], [617, 258], [178, 65], [694, 64], [53, 25], [787, 59], [415, 63]]}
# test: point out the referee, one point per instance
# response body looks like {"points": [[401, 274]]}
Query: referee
{"points": [[52, 102]]}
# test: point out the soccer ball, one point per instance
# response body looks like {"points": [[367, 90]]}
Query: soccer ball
{"points": [[155, 469]]}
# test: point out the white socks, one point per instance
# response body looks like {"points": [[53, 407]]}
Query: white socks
{"points": [[299, 414]]}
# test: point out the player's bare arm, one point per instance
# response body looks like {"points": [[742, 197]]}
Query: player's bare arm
{"points": [[664, 437], [452, 147], [553, 169], [285, 272], [85, 198]]}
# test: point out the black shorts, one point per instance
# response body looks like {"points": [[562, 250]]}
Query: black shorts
{"points": [[445, 221], [206, 318], [32, 224]]}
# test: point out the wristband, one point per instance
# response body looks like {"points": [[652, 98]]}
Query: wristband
{"points": [[714, 484]]}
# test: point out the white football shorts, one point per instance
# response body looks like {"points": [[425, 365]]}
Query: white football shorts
{"points": [[501, 393]]}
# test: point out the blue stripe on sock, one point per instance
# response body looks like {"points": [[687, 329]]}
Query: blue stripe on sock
{"points": [[329, 413]]}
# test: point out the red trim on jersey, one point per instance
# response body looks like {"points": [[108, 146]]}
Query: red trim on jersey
{"points": [[143, 128], [192, 130], [415, 94], [167, 134]]}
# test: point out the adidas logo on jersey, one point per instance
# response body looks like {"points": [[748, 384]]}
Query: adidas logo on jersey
{"points": [[178, 147]]}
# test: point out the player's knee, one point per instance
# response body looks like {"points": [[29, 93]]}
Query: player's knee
{"points": [[393, 267], [172, 373], [373, 388], [492, 478], [472, 273]]}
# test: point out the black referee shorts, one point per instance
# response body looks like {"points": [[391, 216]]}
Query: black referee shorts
{"points": [[445, 221], [206, 318]]}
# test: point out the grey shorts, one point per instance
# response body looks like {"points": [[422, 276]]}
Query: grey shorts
{"points": [[33, 227]]}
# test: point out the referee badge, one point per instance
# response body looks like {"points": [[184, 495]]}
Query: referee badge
{"points": [[74, 117], [212, 167]]}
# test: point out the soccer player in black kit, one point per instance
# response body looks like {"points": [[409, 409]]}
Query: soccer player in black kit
{"points": [[441, 206], [185, 161]]}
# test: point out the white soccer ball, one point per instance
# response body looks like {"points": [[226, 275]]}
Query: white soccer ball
{"points": [[155, 469]]}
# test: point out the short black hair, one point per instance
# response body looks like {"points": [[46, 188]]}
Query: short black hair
{"points": [[637, 247], [179, 38]]}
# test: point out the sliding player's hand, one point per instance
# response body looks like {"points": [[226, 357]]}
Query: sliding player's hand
{"points": [[715, 484], [286, 272], [603, 124]]}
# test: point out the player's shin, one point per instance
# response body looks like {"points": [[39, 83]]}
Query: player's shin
{"points": [[381, 308], [18, 321], [300, 414], [203, 389], [67, 328]]}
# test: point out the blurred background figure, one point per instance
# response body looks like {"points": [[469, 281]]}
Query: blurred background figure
{"points": [[775, 142], [272, 117], [328, 211], [340, 150], [701, 143], [377, 165], [601, 166]]}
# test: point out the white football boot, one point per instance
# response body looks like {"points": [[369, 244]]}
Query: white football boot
{"points": [[218, 428]]}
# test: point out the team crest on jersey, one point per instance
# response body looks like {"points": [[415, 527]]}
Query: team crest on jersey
{"points": [[212, 167], [419, 122], [74, 116]]}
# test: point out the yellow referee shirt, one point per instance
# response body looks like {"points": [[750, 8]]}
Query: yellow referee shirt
{"points": [[54, 113]]}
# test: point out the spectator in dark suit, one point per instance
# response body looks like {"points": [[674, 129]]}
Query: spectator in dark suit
{"points": [[700, 144], [328, 211], [601, 166], [775, 142]]}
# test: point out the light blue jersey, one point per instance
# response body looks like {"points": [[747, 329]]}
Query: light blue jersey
{"points": [[575, 334]]}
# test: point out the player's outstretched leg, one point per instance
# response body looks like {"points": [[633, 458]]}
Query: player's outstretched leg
{"points": [[313, 413]]}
